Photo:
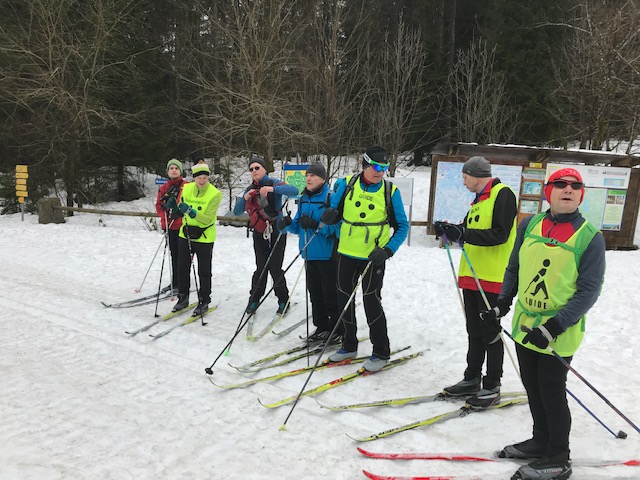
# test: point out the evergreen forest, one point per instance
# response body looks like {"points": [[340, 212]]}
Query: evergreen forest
{"points": [[88, 88]]}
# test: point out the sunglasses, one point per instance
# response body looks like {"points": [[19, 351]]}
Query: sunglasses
{"points": [[378, 167], [251, 169], [562, 184]]}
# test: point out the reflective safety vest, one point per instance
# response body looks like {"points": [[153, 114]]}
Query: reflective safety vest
{"points": [[489, 262], [547, 279], [365, 219], [199, 201]]}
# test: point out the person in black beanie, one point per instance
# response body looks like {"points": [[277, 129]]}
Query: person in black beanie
{"points": [[262, 200], [319, 254], [370, 208]]}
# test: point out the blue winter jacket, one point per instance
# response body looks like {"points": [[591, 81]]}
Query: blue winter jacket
{"points": [[322, 245]]}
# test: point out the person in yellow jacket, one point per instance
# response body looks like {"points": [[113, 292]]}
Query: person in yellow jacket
{"points": [[488, 233], [557, 271], [198, 206]]}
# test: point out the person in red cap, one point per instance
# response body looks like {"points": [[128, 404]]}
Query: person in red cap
{"points": [[557, 270]]}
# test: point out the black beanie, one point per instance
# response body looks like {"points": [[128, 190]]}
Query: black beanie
{"points": [[375, 153], [318, 170], [259, 160]]}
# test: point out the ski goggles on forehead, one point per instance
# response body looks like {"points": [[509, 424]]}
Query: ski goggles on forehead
{"points": [[562, 184], [378, 167]]}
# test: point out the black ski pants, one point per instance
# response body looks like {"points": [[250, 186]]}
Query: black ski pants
{"points": [[204, 253], [349, 271], [545, 379], [262, 249], [322, 276], [483, 340], [172, 237]]}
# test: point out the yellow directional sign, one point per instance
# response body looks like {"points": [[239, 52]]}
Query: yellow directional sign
{"points": [[22, 173]]}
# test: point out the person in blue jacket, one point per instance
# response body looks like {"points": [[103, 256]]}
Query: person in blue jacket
{"points": [[318, 250], [262, 200], [370, 208]]}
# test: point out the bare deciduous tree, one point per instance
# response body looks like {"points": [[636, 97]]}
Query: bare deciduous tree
{"points": [[249, 98], [397, 87], [600, 75], [481, 111], [332, 77]]}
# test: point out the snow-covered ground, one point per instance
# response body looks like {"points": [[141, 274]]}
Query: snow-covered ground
{"points": [[81, 399]]}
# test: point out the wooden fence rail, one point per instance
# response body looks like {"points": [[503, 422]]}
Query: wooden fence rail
{"points": [[51, 210]]}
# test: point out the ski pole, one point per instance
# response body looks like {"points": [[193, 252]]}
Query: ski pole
{"points": [[326, 344], [195, 275], [453, 270], [265, 269], [243, 322], [164, 255], [264, 297], [137, 290], [621, 434], [306, 301], [486, 302]]}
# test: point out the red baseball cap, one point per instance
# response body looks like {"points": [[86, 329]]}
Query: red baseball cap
{"points": [[563, 172]]}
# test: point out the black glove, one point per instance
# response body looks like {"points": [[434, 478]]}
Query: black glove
{"points": [[307, 222], [542, 335], [453, 232], [437, 226], [491, 318], [495, 314], [380, 255], [330, 216], [284, 222]]}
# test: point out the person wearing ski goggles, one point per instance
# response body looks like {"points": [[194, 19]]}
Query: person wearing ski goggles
{"points": [[377, 166], [374, 225]]}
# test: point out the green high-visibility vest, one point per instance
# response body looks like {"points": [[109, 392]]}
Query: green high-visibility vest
{"points": [[200, 201], [488, 262], [365, 223], [547, 281]]}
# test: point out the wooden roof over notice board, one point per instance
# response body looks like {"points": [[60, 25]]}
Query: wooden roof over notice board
{"points": [[526, 156]]}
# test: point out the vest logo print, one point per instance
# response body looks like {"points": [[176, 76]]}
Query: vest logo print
{"points": [[537, 285]]}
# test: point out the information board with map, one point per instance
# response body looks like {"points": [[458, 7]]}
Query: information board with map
{"points": [[452, 199]]}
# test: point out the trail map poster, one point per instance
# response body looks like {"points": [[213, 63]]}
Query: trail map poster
{"points": [[452, 199]]}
